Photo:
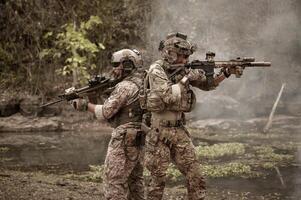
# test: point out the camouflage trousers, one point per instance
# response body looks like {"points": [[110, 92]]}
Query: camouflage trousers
{"points": [[172, 144], [123, 172]]}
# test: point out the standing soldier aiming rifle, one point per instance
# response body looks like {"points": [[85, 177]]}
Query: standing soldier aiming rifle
{"points": [[123, 172], [167, 95]]}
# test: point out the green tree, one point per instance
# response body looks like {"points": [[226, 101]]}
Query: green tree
{"points": [[77, 50]]}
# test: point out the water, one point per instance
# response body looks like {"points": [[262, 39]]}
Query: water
{"points": [[56, 150], [65, 152]]}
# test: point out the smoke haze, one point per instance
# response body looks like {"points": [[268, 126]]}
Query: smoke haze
{"points": [[269, 30]]}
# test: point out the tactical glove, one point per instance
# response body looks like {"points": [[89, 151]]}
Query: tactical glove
{"points": [[79, 104], [193, 75], [238, 71]]}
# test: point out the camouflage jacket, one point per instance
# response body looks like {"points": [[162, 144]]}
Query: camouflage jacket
{"points": [[161, 85], [122, 106]]}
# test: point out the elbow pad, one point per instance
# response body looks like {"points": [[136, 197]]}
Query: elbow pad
{"points": [[98, 112]]}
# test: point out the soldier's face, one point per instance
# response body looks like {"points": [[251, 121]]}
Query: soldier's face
{"points": [[117, 71], [182, 59]]}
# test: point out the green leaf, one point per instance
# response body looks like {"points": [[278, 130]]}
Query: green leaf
{"points": [[47, 35], [44, 53], [101, 46]]}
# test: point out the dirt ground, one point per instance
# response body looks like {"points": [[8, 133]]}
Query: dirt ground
{"points": [[47, 165], [16, 185]]}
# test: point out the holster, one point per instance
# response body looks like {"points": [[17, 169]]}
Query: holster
{"points": [[134, 138]]}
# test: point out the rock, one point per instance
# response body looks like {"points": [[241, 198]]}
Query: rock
{"points": [[51, 111], [281, 123], [30, 106], [19, 123], [217, 124], [9, 104], [8, 107]]}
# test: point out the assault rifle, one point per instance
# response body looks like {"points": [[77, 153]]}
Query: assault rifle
{"points": [[209, 64], [96, 83]]}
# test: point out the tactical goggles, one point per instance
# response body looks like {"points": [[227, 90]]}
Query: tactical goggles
{"points": [[115, 64]]}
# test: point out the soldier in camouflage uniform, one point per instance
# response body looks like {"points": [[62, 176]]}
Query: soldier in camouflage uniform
{"points": [[123, 173], [168, 99]]}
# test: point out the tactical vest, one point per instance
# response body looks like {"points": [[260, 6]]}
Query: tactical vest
{"points": [[132, 111], [152, 102]]}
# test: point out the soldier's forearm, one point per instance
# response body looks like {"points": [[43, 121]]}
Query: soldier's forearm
{"points": [[91, 108], [219, 78], [97, 110]]}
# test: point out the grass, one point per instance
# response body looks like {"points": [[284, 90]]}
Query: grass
{"points": [[227, 170], [269, 159], [220, 150], [4, 149], [95, 174]]}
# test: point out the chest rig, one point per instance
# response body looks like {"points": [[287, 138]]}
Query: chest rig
{"points": [[187, 102], [131, 112]]}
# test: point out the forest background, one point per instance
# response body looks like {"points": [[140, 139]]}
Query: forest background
{"points": [[47, 45]]}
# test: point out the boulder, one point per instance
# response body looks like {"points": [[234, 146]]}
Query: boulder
{"points": [[30, 106], [19, 123], [8, 107]]}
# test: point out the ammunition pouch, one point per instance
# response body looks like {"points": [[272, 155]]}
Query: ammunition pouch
{"points": [[140, 138], [188, 103], [134, 137]]}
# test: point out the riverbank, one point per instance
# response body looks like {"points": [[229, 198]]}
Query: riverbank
{"points": [[237, 159]]}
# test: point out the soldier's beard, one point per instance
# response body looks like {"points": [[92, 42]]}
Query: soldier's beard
{"points": [[116, 74]]}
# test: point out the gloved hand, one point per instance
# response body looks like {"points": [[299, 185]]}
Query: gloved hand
{"points": [[194, 74], [238, 71], [79, 104]]}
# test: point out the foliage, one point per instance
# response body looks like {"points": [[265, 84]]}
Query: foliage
{"points": [[29, 28], [269, 158], [4, 149], [219, 150], [96, 173], [79, 49], [229, 169], [173, 173], [146, 173]]}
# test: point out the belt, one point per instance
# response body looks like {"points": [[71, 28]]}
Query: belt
{"points": [[166, 123], [167, 119]]}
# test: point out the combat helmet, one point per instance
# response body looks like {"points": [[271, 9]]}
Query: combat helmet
{"points": [[130, 59], [175, 43]]}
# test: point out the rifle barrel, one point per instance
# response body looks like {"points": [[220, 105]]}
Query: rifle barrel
{"points": [[51, 103], [221, 64], [260, 64]]}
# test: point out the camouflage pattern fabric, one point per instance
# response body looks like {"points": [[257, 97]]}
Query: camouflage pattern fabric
{"points": [[160, 83], [123, 173], [171, 144], [121, 95]]}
